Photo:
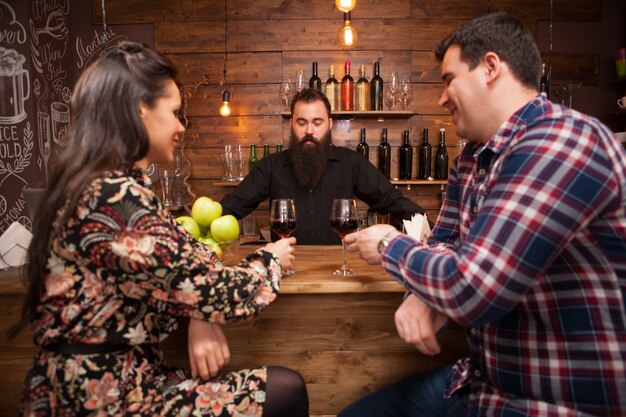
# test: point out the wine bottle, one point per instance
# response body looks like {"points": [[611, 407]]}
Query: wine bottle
{"points": [[315, 81], [347, 90], [441, 157], [376, 89], [332, 90], [266, 150], [363, 148], [362, 92], [384, 155], [253, 158], [406, 158], [426, 153], [544, 83], [279, 147]]}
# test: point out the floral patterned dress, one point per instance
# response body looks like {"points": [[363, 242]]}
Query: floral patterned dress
{"points": [[122, 271]]}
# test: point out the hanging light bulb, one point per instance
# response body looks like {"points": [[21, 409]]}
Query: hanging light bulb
{"points": [[345, 5], [347, 36], [225, 107]]}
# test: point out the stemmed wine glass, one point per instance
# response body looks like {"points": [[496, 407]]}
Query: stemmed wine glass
{"points": [[343, 220], [285, 92], [405, 93], [283, 221]]}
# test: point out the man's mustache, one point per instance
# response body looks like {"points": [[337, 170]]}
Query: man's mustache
{"points": [[310, 138]]}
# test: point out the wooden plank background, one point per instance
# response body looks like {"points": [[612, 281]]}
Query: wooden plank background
{"points": [[270, 39]]}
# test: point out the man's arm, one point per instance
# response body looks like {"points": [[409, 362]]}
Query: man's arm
{"points": [[375, 190], [252, 190]]}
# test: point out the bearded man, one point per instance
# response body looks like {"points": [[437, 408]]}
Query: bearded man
{"points": [[313, 172]]}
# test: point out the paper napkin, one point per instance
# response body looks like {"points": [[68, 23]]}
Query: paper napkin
{"points": [[417, 227], [14, 244]]}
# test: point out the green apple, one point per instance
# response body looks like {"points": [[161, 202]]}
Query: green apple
{"points": [[225, 228], [204, 231], [213, 245], [205, 210], [190, 225]]}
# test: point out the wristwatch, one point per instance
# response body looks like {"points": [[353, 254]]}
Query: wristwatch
{"points": [[384, 242]]}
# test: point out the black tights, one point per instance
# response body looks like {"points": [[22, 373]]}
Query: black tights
{"points": [[285, 394]]}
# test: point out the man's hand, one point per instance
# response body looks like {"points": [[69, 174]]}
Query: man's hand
{"points": [[366, 241], [207, 348], [418, 324]]}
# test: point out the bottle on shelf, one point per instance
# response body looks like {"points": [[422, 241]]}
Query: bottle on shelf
{"points": [[544, 83], [332, 90], [315, 81], [384, 155], [362, 92], [406, 158], [266, 150], [363, 148], [376, 89], [347, 90], [441, 157], [253, 158], [425, 156]]}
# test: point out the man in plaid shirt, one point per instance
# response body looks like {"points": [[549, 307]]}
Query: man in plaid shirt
{"points": [[529, 250]]}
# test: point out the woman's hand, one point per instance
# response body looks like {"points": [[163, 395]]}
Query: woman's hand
{"points": [[284, 250], [207, 347], [418, 324], [366, 241]]}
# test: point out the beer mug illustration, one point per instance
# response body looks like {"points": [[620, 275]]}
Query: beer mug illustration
{"points": [[14, 86]]}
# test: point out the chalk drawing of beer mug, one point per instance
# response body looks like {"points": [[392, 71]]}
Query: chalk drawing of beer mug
{"points": [[15, 86], [60, 114]]}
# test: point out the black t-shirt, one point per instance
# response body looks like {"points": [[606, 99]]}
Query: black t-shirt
{"points": [[348, 175]]}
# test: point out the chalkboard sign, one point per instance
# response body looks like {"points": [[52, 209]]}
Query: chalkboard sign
{"points": [[44, 47]]}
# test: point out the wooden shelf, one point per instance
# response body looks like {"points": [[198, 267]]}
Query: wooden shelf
{"points": [[419, 182], [379, 114], [394, 182]]}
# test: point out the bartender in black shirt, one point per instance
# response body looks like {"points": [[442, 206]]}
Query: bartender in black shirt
{"points": [[313, 172]]}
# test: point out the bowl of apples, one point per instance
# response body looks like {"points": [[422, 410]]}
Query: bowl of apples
{"points": [[218, 232]]}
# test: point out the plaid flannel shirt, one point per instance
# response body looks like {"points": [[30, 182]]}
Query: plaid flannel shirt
{"points": [[529, 252]]}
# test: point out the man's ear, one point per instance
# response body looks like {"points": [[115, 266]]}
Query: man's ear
{"points": [[330, 123], [493, 66]]}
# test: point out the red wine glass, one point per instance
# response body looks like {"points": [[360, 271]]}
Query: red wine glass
{"points": [[343, 220], [283, 221]]}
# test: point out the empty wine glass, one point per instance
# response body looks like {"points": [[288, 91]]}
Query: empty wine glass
{"points": [[392, 91], [343, 220], [285, 92], [405, 93], [300, 81], [283, 221]]}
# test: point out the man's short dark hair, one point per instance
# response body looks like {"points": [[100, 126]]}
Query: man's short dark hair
{"points": [[309, 95], [503, 34]]}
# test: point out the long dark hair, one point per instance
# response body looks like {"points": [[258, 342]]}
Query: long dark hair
{"points": [[107, 134]]}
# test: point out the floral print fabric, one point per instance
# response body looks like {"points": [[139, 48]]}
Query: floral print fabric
{"points": [[122, 271]]}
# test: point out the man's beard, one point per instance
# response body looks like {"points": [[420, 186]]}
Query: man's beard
{"points": [[309, 161]]}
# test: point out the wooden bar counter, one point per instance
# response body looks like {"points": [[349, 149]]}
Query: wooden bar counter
{"points": [[339, 333]]}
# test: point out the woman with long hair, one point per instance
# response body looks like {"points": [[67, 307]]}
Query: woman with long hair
{"points": [[111, 274]]}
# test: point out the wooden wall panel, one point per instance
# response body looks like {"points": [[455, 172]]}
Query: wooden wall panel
{"points": [[120, 12], [318, 35], [242, 68], [190, 37], [280, 9], [577, 10], [219, 131]]}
